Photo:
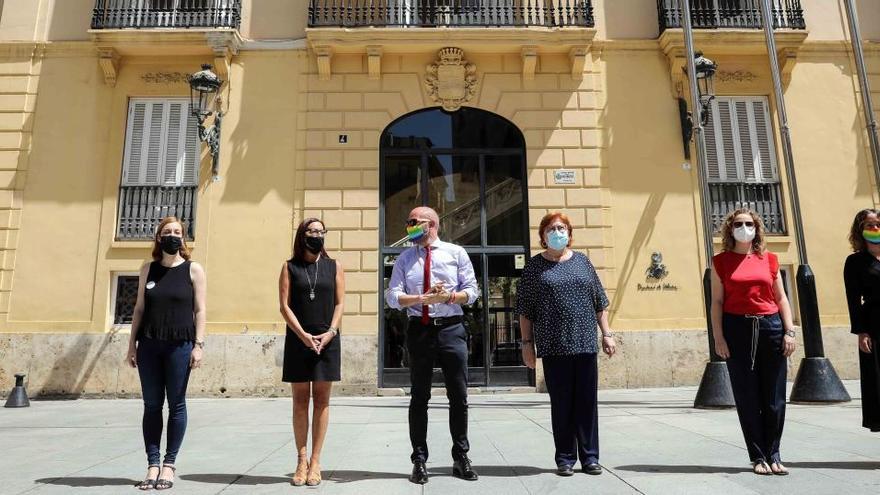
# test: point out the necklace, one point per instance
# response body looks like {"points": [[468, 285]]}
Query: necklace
{"points": [[311, 285]]}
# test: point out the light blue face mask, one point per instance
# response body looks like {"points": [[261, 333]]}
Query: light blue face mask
{"points": [[557, 240]]}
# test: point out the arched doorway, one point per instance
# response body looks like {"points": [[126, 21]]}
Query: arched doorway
{"points": [[470, 166]]}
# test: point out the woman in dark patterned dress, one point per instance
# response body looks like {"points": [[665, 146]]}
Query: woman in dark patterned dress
{"points": [[311, 292], [561, 302]]}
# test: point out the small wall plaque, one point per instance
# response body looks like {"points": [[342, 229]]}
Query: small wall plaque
{"points": [[562, 176], [343, 139], [519, 261]]}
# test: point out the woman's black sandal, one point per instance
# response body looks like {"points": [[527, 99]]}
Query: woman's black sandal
{"points": [[780, 470], [147, 484], [162, 483], [767, 471]]}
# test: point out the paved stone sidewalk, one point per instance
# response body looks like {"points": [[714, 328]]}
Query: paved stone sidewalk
{"points": [[652, 440]]}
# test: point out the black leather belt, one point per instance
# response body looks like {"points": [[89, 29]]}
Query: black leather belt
{"points": [[437, 322]]}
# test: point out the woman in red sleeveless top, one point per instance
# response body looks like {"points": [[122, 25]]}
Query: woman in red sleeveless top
{"points": [[753, 331]]}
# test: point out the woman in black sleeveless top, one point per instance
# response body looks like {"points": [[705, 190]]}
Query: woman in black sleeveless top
{"points": [[311, 292], [167, 338]]}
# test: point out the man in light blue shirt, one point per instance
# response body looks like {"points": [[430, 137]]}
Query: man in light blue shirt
{"points": [[430, 281]]}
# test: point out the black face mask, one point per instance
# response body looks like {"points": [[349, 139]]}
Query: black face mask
{"points": [[170, 244], [314, 244]]}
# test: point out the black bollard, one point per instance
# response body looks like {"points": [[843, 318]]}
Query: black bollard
{"points": [[715, 391], [18, 396], [816, 380]]}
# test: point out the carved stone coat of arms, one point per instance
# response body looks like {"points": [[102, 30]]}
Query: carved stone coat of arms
{"points": [[451, 80]]}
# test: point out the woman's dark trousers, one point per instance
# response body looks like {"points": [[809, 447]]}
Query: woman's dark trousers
{"points": [[163, 366], [572, 382], [758, 384]]}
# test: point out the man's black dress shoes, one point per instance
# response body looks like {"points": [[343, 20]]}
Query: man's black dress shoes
{"points": [[593, 468], [419, 473], [461, 468]]}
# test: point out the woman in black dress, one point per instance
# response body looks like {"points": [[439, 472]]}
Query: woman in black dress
{"points": [[311, 290], [861, 276]]}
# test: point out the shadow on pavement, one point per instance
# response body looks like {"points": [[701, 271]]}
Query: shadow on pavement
{"points": [[471, 405], [689, 469], [338, 476], [684, 469], [234, 479], [655, 404], [348, 476], [834, 465], [87, 481], [495, 471]]}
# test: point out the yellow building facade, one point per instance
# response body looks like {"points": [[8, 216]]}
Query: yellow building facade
{"points": [[352, 111]]}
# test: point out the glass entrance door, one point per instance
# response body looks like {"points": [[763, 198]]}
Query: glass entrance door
{"points": [[470, 167]]}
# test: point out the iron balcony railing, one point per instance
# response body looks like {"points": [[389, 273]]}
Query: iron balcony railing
{"points": [[762, 198], [731, 14], [145, 14], [141, 208], [453, 13]]}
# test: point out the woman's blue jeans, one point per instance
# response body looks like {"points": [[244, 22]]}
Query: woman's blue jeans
{"points": [[163, 366]]}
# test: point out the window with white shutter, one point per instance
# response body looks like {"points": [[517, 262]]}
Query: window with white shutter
{"points": [[162, 145], [741, 160], [160, 168]]}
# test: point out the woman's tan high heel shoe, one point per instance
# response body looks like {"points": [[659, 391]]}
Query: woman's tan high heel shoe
{"points": [[299, 476], [314, 478]]}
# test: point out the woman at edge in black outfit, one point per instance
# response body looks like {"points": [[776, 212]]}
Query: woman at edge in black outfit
{"points": [[311, 290], [167, 338], [861, 276]]}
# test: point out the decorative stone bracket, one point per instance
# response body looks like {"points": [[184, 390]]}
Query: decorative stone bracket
{"points": [[529, 62], [374, 61], [578, 58], [787, 61], [109, 59], [224, 47], [324, 54]]}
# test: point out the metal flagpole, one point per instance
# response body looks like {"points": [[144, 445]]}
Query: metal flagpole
{"points": [[867, 101], [714, 388], [816, 379]]}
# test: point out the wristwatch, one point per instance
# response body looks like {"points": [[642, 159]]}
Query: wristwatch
{"points": [[200, 344], [333, 330], [790, 333]]}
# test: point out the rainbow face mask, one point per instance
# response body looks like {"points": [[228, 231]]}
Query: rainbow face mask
{"points": [[872, 236], [416, 232]]}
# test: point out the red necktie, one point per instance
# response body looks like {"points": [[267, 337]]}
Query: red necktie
{"points": [[426, 284]]}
